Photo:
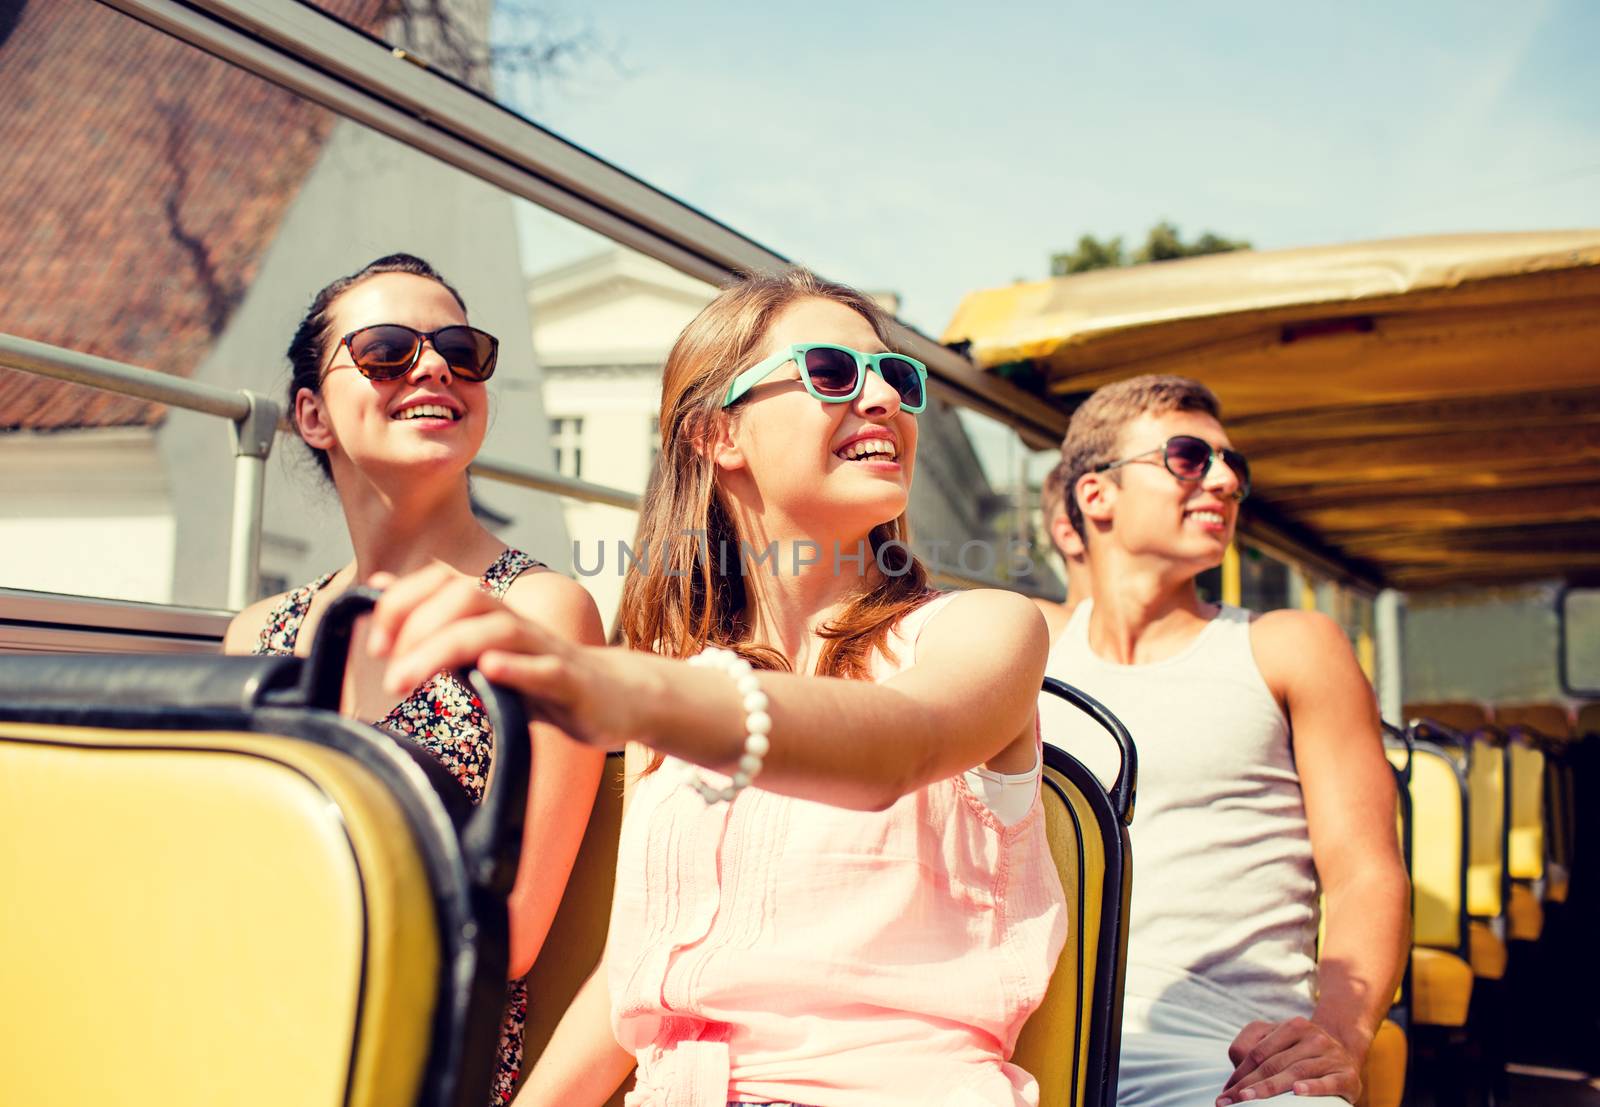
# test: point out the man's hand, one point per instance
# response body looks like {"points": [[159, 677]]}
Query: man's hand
{"points": [[1296, 1056]]}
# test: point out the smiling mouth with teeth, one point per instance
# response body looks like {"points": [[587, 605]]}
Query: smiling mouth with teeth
{"points": [[1207, 516], [878, 449], [426, 411]]}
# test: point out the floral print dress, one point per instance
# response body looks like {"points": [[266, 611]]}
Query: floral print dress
{"points": [[445, 718]]}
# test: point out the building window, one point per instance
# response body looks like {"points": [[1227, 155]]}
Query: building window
{"points": [[566, 446]]}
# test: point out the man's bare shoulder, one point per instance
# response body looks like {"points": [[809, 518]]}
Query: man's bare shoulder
{"points": [[1293, 646], [1289, 628]]}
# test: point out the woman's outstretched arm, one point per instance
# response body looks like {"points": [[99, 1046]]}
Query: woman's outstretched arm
{"points": [[969, 700]]}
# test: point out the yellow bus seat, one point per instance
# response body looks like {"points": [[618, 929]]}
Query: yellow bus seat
{"points": [[1551, 730], [207, 917], [1438, 842], [1072, 1043], [1487, 950], [1384, 1075], [1524, 914], [1484, 898], [1526, 843], [1486, 866], [577, 935], [1441, 975], [1549, 720], [1462, 716], [217, 891], [1441, 988]]}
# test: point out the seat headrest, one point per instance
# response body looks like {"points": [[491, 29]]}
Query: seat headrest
{"points": [[142, 680]]}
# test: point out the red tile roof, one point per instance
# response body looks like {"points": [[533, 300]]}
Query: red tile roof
{"points": [[143, 181]]}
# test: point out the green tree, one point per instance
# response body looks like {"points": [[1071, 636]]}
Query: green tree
{"points": [[1091, 253], [1163, 243]]}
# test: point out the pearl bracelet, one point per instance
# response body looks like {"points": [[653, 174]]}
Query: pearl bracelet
{"points": [[757, 723]]}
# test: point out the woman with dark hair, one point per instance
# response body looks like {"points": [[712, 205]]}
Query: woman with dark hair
{"points": [[388, 392], [833, 883]]}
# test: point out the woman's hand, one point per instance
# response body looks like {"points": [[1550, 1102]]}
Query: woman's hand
{"points": [[435, 619]]}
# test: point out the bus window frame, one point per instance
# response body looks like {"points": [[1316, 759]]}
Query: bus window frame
{"points": [[1563, 653]]}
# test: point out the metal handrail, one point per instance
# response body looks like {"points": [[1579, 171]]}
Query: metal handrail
{"points": [[252, 413], [126, 380], [255, 420], [540, 480]]}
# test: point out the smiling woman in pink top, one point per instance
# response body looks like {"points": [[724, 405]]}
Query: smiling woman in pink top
{"points": [[833, 885]]}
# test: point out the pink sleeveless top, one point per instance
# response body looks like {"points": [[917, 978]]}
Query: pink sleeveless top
{"points": [[777, 949]]}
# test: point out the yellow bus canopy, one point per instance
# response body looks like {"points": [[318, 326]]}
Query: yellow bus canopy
{"points": [[1424, 410]]}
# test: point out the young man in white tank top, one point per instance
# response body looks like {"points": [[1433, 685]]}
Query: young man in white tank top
{"points": [[1262, 779]]}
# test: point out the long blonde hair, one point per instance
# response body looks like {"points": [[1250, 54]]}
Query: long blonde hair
{"points": [[692, 593]]}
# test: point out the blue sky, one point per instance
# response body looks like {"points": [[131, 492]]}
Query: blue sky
{"points": [[934, 148]]}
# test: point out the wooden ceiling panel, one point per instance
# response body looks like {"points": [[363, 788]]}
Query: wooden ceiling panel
{"points": [[1444, 452], [1526, 412], [1293, 499], [1428, 513], [1424, 409], [1560, 538], [1404, 356]]}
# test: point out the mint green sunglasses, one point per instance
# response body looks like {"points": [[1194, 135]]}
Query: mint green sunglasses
{"points": [[837, 374]]}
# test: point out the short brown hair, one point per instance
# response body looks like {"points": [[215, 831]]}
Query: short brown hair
{"points": [[1096, 426]]}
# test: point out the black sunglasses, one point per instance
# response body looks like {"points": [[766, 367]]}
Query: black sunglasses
{"points": [[388, 351], [1189, 459], [837, 374]]}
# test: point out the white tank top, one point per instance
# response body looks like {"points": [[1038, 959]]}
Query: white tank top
{"points": [[1224, 914]]}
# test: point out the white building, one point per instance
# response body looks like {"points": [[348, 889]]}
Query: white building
{"points": [[602, 327]]}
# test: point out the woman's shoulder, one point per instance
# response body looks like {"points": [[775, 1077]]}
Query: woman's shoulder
{"points": [[989, 608], [244, 629], [978, 618], [252, 628], [557, 601]]}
